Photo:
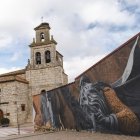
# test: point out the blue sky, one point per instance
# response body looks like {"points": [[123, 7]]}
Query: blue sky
{"points": [[86, 30]]}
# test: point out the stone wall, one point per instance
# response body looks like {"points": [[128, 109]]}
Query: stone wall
{"points": [[47, 79], [22, 76], [65, 78], [24, 98], [45, 76], [42, 49], [8, 95], [16, 94]]}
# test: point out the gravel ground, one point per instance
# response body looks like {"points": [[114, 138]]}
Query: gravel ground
{"points": [[72, 135]]}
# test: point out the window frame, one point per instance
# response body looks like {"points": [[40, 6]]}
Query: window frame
{"points": [[23, 107], [47, 56], [42, 35], [38, 56]]}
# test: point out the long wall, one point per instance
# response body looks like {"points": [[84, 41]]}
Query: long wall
{"points": [[91, 103], [47, 79]]}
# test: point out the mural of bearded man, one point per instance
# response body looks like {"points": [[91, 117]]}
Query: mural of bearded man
{"points": [[93, 102], [104, 108]]}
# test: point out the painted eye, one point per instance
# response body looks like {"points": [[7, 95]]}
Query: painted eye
{"points": [[84, 98]]}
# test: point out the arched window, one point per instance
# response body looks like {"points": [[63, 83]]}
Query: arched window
{"points": [[42, 37], [38, 57], [43, 91], [47, 56]]}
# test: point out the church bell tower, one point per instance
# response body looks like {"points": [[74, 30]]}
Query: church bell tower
{"points": [[45, 67]]}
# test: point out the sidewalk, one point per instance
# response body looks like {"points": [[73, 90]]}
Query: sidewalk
{"points": [[13, 130]]}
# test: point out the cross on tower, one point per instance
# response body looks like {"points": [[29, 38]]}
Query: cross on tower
{"points": [[41, 19]]}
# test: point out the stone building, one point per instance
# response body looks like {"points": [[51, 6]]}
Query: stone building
{"points": [[44, 71]]}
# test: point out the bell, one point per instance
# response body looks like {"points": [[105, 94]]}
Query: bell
{"points": [[42, 36]]}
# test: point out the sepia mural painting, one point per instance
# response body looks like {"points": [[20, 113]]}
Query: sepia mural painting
{"points": [[105, 99]]}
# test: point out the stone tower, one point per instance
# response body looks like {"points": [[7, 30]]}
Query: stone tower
{"points": [[45, 67]]}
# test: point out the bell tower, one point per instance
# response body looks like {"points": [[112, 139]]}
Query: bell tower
{"points": [[45, 66], [43, 48], [42, 33]]}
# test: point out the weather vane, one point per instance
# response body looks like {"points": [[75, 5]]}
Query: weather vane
{"points": [[41, 19]]}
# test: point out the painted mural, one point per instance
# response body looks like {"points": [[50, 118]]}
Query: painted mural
{"points": [[95, 105]]}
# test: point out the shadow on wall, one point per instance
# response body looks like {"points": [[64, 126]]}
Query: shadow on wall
{"points": [[96, 106]]}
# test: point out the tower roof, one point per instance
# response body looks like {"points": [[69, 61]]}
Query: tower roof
{"points": [[43, 25]]}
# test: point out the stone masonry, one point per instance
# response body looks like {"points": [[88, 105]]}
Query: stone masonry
{"points": [[44, 71], [16, 94]]}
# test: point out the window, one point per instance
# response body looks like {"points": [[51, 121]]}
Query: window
{"points": [[22, 107], [57, 57], [47, 56], [38, 57], [42, 37], [43, 91], [7, 114]]}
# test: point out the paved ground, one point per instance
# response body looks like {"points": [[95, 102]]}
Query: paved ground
{"points": [[71, 135], [27, 133], [10, 131]]}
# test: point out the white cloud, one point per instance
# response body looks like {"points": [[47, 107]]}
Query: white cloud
{"points": [[5, 70], [130, 2], [70, 22], [107, 12], [77, 65], [16, 56], [5, 40]]}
